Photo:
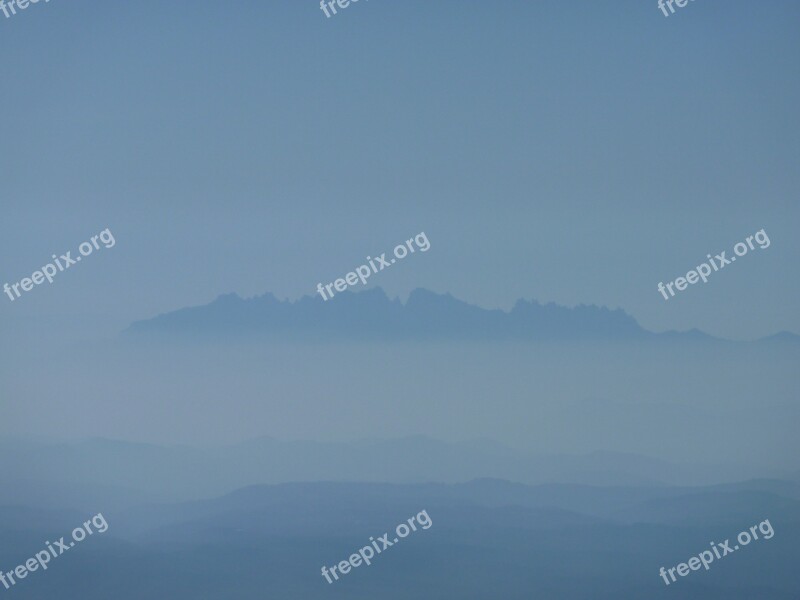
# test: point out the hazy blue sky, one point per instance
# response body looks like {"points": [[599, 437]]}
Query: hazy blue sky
{"points": [[578, 152]]}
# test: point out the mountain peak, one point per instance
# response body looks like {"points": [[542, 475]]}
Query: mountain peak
{"points": [[371, 314]]}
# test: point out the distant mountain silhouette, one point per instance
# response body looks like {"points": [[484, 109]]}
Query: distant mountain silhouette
{"points": [[783, 336], [486, 539], [119, 473], [372, 315]]}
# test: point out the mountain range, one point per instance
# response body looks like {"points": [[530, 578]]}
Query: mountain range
{"points": [[372, 315], [486, 539], [50, 475]]}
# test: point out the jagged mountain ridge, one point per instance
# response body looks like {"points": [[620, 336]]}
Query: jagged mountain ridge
{"points": [[424, 316]]}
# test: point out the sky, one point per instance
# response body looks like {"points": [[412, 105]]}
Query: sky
{"points": [[574, 152]]}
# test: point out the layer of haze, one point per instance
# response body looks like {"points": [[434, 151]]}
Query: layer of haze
{"points": [[696, 403]]}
